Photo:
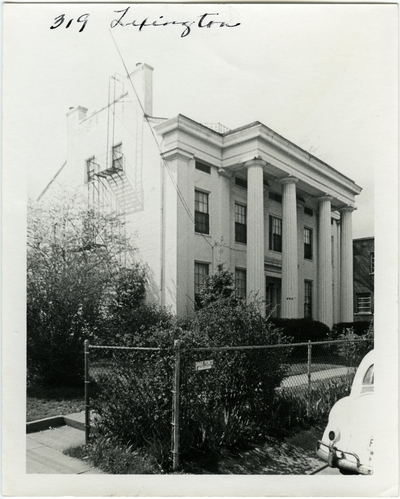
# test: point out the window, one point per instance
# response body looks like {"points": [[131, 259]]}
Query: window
{"points": [[241, 182], [372, 262], [90, 164], [240, 283], [201, 216], [240, 224], [275, 197], [308, 211], [307, 243], [203, 168], [200, 274], [117, 157], [308, 299], [369, 376], [363, 303], [275, 234]]}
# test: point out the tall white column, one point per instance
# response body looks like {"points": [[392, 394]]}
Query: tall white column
{"points": [[290, 286], [346, 264], [255, 230], [325, 298]]}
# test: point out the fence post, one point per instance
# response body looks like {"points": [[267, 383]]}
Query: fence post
{"points": [[309, 348], [87, 381], [175, 405]]}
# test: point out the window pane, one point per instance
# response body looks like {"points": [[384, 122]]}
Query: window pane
{"points": [[275, 234], [200, 274], [308, 299], [363, 303], [117, 157], [202, 222], [307, 243], [240, 283]]}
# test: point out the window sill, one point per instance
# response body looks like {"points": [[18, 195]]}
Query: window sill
{"points": [[202, 234]]}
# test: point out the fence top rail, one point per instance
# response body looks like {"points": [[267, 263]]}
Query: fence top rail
{"points": [[227, 348], [152, 349], [281, 345]]}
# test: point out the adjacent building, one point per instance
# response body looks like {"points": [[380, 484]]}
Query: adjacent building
{"points": [[198, 195], [364, 269]]}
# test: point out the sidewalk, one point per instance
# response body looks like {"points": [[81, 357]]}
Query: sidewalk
{"points": [[44, 450], [302, 379]]}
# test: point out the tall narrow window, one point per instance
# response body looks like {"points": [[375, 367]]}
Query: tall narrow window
{"points": [[307, 243], [240, 283], [201, 214], [275, 234], [372, 262], [200, 273], [308, 299], [240, 224], [90, 164], [117, 157]]}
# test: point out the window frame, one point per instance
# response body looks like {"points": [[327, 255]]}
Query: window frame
{"points": [[201, 218], [202, 167], [90, 173], [308, 299], [240, 283], [240, 227], [275, 243], [197, 285], [360, 307], [117, 157], [308, 246], [372, 262]]}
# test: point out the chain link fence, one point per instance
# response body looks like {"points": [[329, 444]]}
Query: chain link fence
{"points": [[212, 397]]}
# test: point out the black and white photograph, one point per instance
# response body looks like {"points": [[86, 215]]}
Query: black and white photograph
{"points": [[200, 249]]}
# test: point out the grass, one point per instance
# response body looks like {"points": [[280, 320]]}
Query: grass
{"points": [[114, 458], [47, 402], [293, 455]]}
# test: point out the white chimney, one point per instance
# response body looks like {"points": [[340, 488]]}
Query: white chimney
{"points": [[142, 79]]}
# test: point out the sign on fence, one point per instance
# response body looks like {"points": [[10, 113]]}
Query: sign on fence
{"points": [[204, 364]]}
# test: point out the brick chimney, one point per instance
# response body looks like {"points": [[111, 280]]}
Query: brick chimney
{"points": [[142, 79]]}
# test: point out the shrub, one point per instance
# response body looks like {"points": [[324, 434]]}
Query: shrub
{"points": [[113, 457], [302, 330], [358, 328], [132, 399], [290, 407], [228, 405]]}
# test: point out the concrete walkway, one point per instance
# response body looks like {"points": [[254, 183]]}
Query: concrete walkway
{"points": [[302, 379], [44, 450]]}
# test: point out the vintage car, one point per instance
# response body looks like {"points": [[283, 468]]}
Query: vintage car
{"points": [[347, 442]]}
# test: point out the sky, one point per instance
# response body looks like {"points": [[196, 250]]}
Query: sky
{"points": [[323, 76]]}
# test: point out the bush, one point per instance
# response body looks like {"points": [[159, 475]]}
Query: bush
{"points": [[358, 328], [228, 405], [132, 399], [290, 408], [302, 330], [113, 457]]}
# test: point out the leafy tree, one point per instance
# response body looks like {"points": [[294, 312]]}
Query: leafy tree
{"points": [[218, 285], [79, 267]]}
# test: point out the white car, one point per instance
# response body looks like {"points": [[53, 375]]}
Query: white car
{"points": [[347, 442]]}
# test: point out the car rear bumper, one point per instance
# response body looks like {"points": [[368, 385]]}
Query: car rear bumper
{"points": [[337, 458]]}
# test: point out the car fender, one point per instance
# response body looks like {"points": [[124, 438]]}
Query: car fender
{"points": [[339, 422]]}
